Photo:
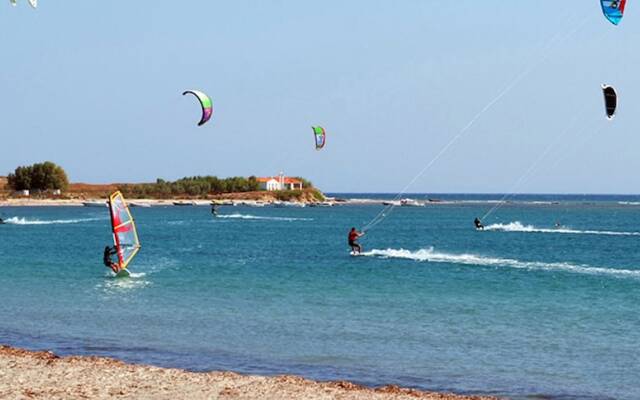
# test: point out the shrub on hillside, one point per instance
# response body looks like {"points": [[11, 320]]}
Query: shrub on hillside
{"points": [[39, 177]]}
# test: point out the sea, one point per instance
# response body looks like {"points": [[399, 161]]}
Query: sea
{"points": [[544, 303]]}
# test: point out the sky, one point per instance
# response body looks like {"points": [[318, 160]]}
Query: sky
{"points": [[468, 96]]}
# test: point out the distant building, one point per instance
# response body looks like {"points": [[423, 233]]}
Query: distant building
{"points": [[23, 193], [279, 182]]}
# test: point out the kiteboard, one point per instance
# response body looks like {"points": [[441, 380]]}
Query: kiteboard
{"points": [[355, 254]]}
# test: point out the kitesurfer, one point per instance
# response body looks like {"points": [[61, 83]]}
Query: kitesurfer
{"points": [[353, 236], [108, 252], [214, 211], [478, 223], [1, 221]]}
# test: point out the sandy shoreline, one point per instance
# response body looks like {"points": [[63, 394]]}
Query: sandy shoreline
{"points": [[43, 375]]}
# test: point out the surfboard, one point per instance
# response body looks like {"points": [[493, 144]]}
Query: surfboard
{"points": [[355, 254], [123, 273]]}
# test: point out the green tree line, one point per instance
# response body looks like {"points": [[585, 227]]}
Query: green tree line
{"points": [[38, 177], [194, 186]]}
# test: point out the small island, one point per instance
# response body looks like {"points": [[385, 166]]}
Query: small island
{"points": [[47, 184]]}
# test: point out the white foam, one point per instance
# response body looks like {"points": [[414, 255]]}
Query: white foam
{"points": [[113, 285], [629, 203], [519, 227], [430, 255], [24, 221], [246, 216]]}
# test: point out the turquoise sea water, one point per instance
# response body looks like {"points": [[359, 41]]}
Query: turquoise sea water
{"points": [[522, 309]]}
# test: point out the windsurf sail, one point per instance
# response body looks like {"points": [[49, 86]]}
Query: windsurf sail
{"points": [[613, 10], [205, 103], [610, 101], [125, 236], [320, 136]]}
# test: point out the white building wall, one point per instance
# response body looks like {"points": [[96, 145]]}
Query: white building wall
{"points": [[270, 185]]}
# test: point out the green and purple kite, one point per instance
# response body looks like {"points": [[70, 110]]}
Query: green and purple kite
{"points": [[205, 102]]}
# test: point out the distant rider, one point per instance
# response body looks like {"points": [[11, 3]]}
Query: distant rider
{"points": [[353, 236], [214, 211], [478, 223], [108, 252]]}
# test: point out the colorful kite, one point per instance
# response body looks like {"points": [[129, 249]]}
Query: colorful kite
{"points": [[613, 10], [205, 102], [320, 136]]}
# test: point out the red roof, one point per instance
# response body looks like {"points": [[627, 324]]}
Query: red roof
{"points": [[277, 179]]}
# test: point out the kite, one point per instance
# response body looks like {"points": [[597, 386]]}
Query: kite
{"points": [[613, 10], [205, 102], [610, 101], [320, 136]]}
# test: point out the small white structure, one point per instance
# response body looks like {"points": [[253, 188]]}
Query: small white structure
{"points": [[23, 193], [279, 182], [269, 184], [57, 192]]}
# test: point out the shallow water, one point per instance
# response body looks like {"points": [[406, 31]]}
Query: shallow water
{"points": [[522, 309]]}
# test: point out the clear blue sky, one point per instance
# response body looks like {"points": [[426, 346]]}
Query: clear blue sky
{"points": [[96, 87]]}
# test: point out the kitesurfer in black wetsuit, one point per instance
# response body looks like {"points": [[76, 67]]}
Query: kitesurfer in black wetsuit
{"points": [[214, 211], [106, 258], [478, 223]]}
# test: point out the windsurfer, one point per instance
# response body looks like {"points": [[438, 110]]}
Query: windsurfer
{"points": [[478, 223], [353, 236], [108, 252]]}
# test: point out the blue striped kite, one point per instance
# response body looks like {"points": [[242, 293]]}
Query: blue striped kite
{"points": [[613, 10]]}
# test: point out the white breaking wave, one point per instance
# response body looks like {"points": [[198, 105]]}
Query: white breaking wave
{"points": [[113, 286], [519, 227], [24, 221], [430, 255], [629, 203], [245, 216]]}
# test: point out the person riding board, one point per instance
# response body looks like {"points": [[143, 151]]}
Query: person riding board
{"points": [[214, 211], [478, 223], [108, 252], [353, 236]]}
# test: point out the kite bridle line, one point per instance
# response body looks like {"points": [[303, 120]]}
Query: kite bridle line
{"points": [[534, 166], [546, 52]]}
